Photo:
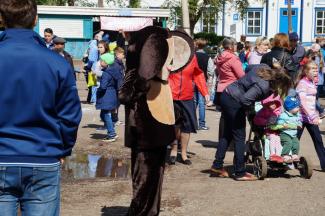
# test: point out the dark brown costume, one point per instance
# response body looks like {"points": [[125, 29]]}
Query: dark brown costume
{"points": [[147, 137]]}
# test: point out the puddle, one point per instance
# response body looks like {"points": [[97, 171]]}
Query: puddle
{"points": [[88, 166]]}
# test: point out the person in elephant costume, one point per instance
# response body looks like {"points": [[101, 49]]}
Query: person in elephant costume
{"points": [[150, 116]]}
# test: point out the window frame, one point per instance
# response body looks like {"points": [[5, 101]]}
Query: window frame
{"points": [[209, 26], [316, 19], [261, 11]]}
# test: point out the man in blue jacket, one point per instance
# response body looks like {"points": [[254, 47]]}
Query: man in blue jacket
{"points": [[39, 117]]}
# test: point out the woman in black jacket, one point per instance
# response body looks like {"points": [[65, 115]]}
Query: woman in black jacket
{"points": [[280, 56], [259, 83]]}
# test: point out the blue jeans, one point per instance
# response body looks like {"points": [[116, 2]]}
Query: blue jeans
{"points": [[234, 129], [200, 101], [36, 189], [93, 94], [109, 124]]}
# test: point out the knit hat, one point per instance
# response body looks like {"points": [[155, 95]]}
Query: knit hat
{"points": [[108, 58], [291, 103], [293, 36]]}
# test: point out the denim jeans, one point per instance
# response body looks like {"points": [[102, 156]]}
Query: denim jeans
{"points": [[234, 129], [200, 101], [109, 124], [317, 140], [93, 94], [36, 189]]}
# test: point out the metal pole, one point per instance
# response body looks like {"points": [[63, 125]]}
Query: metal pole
{"points": [[289, 16], [186, 17]]}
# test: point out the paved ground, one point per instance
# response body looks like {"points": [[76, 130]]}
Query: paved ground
{"points": [[189, 190]]}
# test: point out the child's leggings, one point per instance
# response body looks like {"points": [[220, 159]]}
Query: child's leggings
{"points": [[316, 136], [275, 144]]}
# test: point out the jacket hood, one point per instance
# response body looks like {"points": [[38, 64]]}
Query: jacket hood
{"points": [[114, 71], [225, 57], [93, 44], [272, 99]]}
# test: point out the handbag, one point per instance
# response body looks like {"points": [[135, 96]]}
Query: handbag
{"points": [[92, 80]]}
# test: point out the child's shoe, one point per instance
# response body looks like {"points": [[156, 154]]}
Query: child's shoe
{"points": [[273, 158], [110, 139], [276, 158], [295, 158], [287, 159]]}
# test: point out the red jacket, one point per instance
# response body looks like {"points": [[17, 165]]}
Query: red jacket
{"points": [[181, 83]]}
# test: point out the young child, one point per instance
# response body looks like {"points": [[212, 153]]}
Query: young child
{"points": [[289, 122], [119, 58], [107, 100], [307, 90], [267, 117]]}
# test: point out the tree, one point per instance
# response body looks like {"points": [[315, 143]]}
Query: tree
{"points": [[134, 3], [53, 2], [197, 7]]}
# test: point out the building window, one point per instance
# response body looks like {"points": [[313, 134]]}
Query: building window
{"points": [[209, 19], [320, 22], [254, 22]]}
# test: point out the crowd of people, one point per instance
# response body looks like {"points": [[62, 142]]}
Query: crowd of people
{"points": [[277, 78], [213, 80], [283, 80]]}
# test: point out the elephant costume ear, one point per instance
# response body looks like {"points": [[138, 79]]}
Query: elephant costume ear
{"points": [[153, 56], [183, 50]]}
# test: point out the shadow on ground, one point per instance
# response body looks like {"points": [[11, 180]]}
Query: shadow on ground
{"points": [[207, 143], [98, 136], [92, 126], [115, 211], [212, 144]]}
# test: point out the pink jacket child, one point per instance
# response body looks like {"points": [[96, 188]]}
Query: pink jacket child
{"points": [[272, 108], [267, 116]]}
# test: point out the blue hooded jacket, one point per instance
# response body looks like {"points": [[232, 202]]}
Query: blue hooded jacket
{"points": [[40, 107], [110, 83]]}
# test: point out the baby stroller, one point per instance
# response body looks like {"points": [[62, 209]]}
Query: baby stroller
{"points": [[256, 149]]}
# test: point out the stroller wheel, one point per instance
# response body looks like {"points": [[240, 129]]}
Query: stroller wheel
{"points": [[260, 167], [305, 168]]}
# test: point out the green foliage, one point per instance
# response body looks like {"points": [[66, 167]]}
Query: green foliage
{"points": [[117, 3], [134, 3], [197, 7], [212, 38], [85, 3], [52, 2]]}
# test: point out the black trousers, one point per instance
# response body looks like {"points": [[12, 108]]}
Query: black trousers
{"points": [[316, 136], [234, 129], [147, 167]]}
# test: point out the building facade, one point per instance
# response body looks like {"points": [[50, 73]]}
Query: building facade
{"points": [[268, 17], [78, 25]]}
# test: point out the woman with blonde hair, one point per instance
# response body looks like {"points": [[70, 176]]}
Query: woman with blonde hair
{"points": [[261, 47]]}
